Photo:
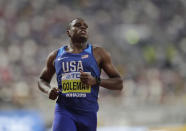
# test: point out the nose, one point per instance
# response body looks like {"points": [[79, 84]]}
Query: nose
{"points": [[83, 27]]}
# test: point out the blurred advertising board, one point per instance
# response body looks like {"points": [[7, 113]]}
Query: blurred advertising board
{"points": [[131, 128], [20, 121]]}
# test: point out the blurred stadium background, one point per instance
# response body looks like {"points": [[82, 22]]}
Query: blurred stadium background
{"points": [[147, 42]]}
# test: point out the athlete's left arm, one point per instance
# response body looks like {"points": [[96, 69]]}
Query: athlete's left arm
{"points": [[114, 82]]}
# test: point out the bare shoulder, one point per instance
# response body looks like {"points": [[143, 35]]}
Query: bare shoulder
{"points": [[100, 51], [102, 55], [51, 57], [53, 53]]}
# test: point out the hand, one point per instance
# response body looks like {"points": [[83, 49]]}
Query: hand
{"points": [[53, 93], [87, 78]]}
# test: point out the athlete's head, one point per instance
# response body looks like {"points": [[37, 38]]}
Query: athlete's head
{"points": [[77, 30]]}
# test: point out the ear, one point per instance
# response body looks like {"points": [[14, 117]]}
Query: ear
{"points": [[68, 33]]}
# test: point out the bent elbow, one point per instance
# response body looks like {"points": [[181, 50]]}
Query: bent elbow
{"points": [[39, 84], [120, 87]]}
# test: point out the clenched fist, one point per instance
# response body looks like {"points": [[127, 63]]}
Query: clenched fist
{"points": [[53, 93], [87, 78]]}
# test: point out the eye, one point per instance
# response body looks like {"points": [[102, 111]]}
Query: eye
{"points": [[86, 26], [77, 25]]}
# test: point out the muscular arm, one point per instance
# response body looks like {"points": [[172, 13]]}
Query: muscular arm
{"points": [[114, 82], [47, 73]]}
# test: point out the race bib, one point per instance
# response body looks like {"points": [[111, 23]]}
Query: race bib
{"points": [[71, 83]]}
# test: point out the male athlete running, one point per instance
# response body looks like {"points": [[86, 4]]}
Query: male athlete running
{"points": [[78, 66]]}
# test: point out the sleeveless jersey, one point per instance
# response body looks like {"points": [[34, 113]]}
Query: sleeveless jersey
{"points": [[73, 93]]}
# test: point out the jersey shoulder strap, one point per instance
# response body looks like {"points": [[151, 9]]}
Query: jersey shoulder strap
{"points": [[89, 49], [60, 51]]}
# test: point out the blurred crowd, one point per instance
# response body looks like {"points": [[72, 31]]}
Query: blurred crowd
{"points": [[146, 39]]}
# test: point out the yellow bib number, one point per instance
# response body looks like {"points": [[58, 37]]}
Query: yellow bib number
{"points": [[74, 84]]}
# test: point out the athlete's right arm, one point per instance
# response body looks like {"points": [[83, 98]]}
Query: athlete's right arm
{"points": [[46, 77]]}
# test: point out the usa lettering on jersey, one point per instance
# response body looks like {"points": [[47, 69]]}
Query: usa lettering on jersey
{"points": [[72, 66]]}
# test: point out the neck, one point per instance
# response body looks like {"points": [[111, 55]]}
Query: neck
{"points": [[78, 43], [77, 47]]}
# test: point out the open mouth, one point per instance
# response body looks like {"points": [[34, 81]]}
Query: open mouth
{"points": [[83, 32]]}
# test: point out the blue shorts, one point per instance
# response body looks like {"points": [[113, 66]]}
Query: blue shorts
{"points": [[66, 119]]}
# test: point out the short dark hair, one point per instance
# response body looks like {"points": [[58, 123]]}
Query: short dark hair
{"points": [[68, 26]]}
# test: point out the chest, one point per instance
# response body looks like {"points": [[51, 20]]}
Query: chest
{"points": [[74, 63]]}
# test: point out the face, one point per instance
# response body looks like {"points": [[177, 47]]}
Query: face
{"points": [[78, 30]]}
